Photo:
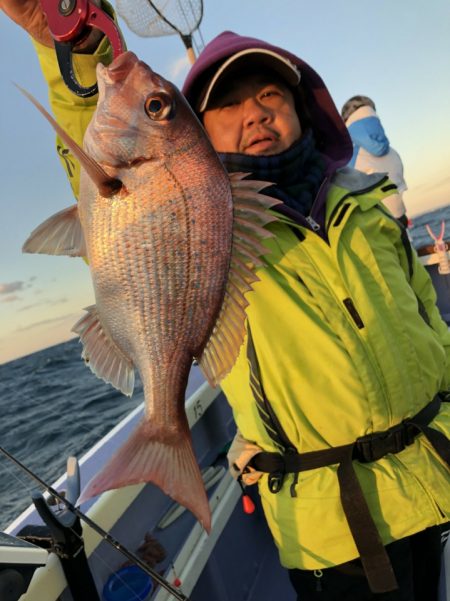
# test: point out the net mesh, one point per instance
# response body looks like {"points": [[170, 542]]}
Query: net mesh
{"points": [[161, 17]]}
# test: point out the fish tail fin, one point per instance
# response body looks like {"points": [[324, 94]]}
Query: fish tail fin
{"points": [[169, 463]]}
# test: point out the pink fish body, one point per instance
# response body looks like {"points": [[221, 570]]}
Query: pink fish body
{"points": [[172, 245]]}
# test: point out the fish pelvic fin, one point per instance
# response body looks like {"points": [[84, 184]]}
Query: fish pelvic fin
{"points": [[251, 215], [167, 461], [102, 355], [60, 234]]}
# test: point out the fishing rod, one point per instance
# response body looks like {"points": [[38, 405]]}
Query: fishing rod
{"points": [[105, 535]]}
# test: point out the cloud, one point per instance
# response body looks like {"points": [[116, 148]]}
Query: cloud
{"points": [[46, 322], [11, 298], [433, 185], [11, 287], [45, 301], [444, 181], [179, 67], [32, 306]]}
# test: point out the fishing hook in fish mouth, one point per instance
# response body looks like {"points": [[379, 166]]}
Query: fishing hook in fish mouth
{"points": [[105, 535]]}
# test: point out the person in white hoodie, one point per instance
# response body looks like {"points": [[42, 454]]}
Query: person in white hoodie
{"points": [[372, 152]]}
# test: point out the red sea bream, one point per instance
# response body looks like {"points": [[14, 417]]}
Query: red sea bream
{"points": [[172, 243]]}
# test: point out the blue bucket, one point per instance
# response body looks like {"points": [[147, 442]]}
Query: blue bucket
{"points": [[128, 584]]}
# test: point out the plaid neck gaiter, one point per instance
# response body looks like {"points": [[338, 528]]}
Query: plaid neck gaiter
{"points": [[298, 172]]}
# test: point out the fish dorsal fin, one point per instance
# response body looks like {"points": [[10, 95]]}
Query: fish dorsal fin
{"points": [[107, 186], [251, 214], [60, 234], [102, 355]]}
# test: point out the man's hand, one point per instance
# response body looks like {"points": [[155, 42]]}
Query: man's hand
{"points": [[29, 15]]}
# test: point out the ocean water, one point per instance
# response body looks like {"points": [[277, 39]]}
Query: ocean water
{"points": [[52, 406], [418, 231]]}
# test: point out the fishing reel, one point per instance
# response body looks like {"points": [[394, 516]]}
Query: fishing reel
{"points": [[64, 535]]}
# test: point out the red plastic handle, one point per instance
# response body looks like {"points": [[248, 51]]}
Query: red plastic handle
{"points": [[66, 18], [248, 505], [69, 19]]}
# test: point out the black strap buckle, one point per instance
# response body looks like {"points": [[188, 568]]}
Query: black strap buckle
{"points": [[275, 481], [375, 446]]}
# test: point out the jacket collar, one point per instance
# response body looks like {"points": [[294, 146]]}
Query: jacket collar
{"points": [[356, 181], [350, 182]]}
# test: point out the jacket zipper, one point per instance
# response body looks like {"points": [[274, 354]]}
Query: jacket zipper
{"points": [[312, 223]]}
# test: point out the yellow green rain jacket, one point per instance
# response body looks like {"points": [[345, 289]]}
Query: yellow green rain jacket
{"points": [[349, 341], [343, 351]]}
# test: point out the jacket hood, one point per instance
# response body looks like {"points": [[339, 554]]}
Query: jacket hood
{"points": [[330, 133]]}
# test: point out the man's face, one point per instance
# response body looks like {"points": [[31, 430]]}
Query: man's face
{"points": [[252, 114]]}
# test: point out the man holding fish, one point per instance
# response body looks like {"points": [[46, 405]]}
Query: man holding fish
{"points": [[317, 319]]}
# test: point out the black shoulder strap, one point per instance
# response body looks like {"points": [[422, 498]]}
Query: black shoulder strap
{"points": [[404, 238], [265, 410], [409, 256]]}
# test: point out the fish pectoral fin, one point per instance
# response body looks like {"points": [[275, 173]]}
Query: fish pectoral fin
{"points": [[60, 234], [102, 355], [166, 460], [250, 216]]}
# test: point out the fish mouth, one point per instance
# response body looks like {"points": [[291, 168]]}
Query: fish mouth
{"points": [[123, 65], [120, 67]]}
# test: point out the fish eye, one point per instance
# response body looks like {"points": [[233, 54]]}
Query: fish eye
{"points": [[158, 106]]}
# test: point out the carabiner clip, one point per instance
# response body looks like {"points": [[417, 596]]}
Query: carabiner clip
{"points": [[68, 21]]}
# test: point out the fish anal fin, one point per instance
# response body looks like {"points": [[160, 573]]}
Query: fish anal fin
{"points": [[168, 462], [104, 358], [250, 217], [60, 234]]}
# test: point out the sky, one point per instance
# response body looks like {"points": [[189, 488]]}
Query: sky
{"points": [[395, 51]]}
